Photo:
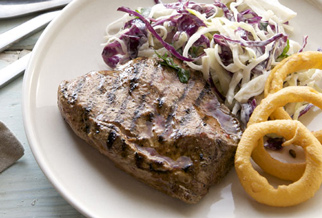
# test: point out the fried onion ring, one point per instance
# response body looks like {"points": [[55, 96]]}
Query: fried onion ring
{"points": [[286, 171], [257, 186], [297, 62]]}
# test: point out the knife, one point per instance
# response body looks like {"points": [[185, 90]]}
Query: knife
{"points": [[10, 9], [11, 36]]}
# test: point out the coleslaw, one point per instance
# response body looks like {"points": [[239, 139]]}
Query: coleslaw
{"points": [[235, 44]]}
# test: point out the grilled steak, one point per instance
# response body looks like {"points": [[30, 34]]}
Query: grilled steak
{"points": [[173, 136]]}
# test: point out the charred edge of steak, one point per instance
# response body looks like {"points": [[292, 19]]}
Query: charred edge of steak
{"points": [[161, 131]]}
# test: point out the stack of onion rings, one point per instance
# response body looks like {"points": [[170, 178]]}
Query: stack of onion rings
{"points": [[258, 186], [297, 62], [282, 170], [258, 126]]}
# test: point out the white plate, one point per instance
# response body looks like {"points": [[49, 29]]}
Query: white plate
{"points": [[71, 47]]}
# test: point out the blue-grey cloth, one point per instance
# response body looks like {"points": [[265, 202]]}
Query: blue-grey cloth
{"points": [[11, 149]]}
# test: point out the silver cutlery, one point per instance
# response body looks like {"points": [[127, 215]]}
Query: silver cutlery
{"points": [[10, 9], [14, 35], [13, 70]]}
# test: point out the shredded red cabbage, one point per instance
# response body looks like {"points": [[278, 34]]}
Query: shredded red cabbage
{"points": [[184, 22], [167, 46], [180, 5], [245, 35], [226, 54], [135, 36], [137, 33], [305, 110], [189, 23], [251, 20], [247, 110], [304, 43], [203, 41], [208, 11], [170, 19], [274, 144], [275, 51], [201, 8], [245, 43], [228, 14]]}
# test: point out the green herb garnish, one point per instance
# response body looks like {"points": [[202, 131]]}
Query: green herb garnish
{"points": [[136, 17], [285, 50], [263, 25], [196, 51], [183, 74]]}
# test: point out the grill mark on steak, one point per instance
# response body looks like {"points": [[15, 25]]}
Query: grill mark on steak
{"points": [[173, 109], [138, 160], [133, 85], [111, 139], [142, 104], [160, 101], [74, 94], [101, 87], [133, 81], [137, 112], [198, 101], [138, 70], [122, 110], [111, 95], [186, 117], [85, 120], [202, 94], [188, 114], [124, 149], [110, 98]]}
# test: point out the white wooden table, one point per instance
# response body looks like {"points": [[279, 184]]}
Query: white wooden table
{"points": [[24, 189]]}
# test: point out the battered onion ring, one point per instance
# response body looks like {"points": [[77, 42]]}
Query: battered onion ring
{"points": [[297, 62], [261, 113], [257, 186]]}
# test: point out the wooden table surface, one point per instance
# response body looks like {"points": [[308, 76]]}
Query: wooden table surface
{"points": [[24, 189]]}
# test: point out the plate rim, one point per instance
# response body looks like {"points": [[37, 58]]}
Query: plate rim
{"points": [[27, 100]]}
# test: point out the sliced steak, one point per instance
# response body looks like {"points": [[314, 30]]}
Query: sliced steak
{"points": [[175, 137]]}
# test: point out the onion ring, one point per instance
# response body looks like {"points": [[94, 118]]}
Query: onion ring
{"points": [[257, 186], [297, 62], [286, 171]]}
